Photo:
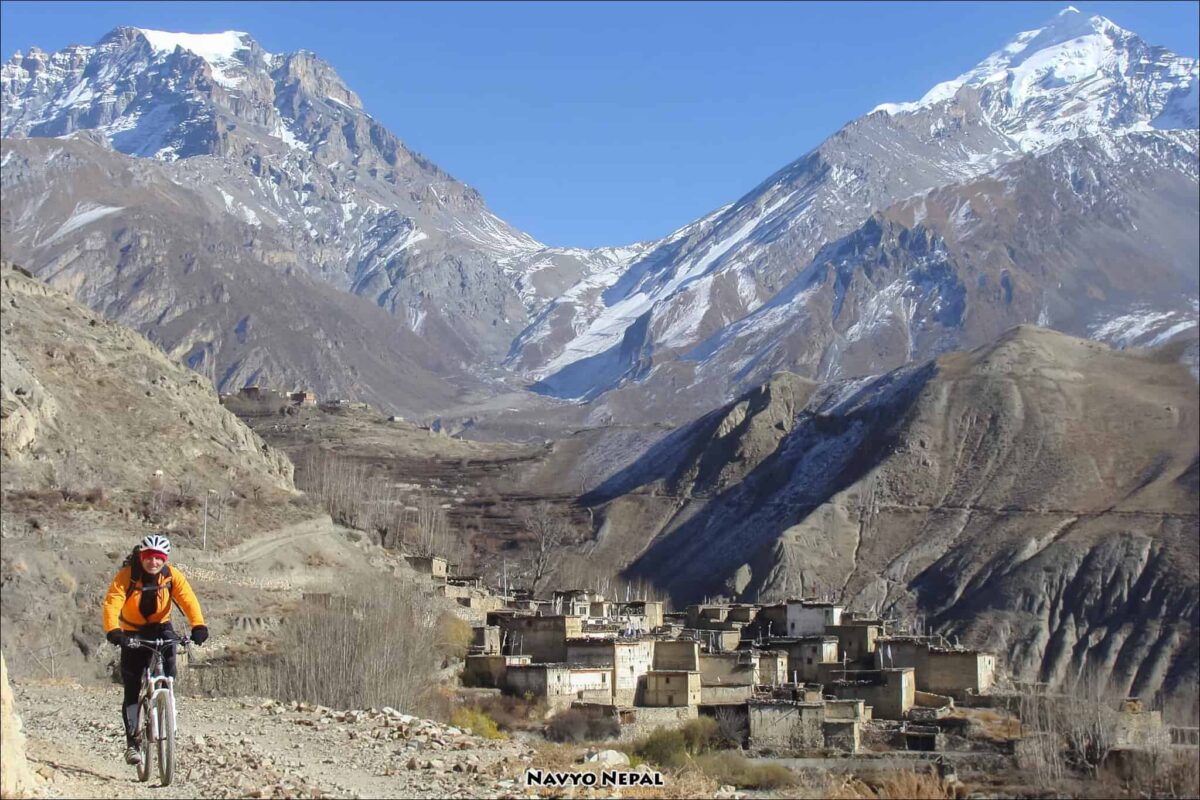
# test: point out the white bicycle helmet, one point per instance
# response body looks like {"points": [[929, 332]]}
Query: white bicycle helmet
{"points": [[156, 541]]}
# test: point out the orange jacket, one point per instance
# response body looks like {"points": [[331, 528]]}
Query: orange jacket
{"points": [[121, 604]]}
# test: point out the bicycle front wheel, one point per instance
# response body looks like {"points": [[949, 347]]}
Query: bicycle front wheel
{"points": [[165, 712], [147, 728]]}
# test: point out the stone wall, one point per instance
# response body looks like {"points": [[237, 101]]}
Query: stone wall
{"points": [[781, 725], [842, 734], [677, 655], [642, 721], [719, 669], [718, 695]]}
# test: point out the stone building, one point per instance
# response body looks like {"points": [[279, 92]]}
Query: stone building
{"points": [[810, 618], [672, 688], [434, 567], [544, 638], [786, 724], [628, 659], [889, 692], [806, 654], [856, 641], [728, 678], [560, 684], [954, 672]]}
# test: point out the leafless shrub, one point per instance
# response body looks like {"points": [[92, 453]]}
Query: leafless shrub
{"points": [[1067, 730], [732, 727], [574, 725]]}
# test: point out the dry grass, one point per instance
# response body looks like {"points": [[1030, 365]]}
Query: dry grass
{"points": [[985, 723], [552, 756], [734, 769], [376, 647], [898, 785]]}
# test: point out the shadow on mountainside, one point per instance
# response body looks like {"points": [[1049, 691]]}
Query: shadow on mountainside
{"points": [[835, 442]]}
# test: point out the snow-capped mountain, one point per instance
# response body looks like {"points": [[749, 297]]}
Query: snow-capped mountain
{"points": [[751, 265], [280, 145], [156, 161]]}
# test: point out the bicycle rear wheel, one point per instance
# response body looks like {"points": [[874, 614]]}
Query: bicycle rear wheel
{"points": [[165, 711], [143, 768]]}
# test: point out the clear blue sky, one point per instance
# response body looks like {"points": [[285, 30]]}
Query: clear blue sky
{"points": [[605, 123]]}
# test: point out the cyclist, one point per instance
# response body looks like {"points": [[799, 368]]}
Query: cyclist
{"points": [[138, 604]]}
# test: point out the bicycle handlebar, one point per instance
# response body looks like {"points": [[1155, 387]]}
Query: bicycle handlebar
{"points": [[157, 644]]}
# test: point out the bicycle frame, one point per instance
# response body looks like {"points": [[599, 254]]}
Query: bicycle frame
{"points": [[155, 683]]}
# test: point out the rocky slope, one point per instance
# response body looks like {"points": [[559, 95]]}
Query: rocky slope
{"points": [[1037, 495], [89, 403], [1075, 113], [1093, 237], [229, 299]]}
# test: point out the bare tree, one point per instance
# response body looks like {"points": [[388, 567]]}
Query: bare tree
{"points": [[433, 528], [551, 534]]}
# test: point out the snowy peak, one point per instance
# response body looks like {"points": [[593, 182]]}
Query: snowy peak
{"points": [[222, 51], [1076, 75]]}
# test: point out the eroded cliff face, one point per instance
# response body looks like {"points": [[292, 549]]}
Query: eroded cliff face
{"points": [[16, 778], [1037, 496], [89, 403]]}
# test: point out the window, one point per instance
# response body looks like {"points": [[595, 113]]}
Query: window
{"points": [[810, 659], [668, 680], [604, 678], [670, 699]]}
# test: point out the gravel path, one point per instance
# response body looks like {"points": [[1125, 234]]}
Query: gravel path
{"points": [[258, 748]]}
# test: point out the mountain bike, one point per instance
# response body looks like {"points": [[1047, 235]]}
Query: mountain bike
{"points": [[156, 710]]}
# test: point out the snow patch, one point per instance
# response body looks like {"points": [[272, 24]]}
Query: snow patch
{"points": [[84, 214]]}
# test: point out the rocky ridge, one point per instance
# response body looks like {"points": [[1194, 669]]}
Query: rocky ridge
{"points": [[85, 400], [1036, 496]]}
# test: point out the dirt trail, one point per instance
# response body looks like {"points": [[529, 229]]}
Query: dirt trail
{"points": [[262, 545], [256, 748]]}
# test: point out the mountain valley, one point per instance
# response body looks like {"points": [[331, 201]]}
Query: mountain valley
{"points": [[942, 368]]}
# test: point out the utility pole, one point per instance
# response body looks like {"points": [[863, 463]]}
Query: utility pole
{"points": [[204, 537]]}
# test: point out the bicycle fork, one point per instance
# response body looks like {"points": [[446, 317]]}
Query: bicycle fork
{"points": [[161, 685]]}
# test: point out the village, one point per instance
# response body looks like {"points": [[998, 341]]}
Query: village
{"points": [[796, 677]]}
